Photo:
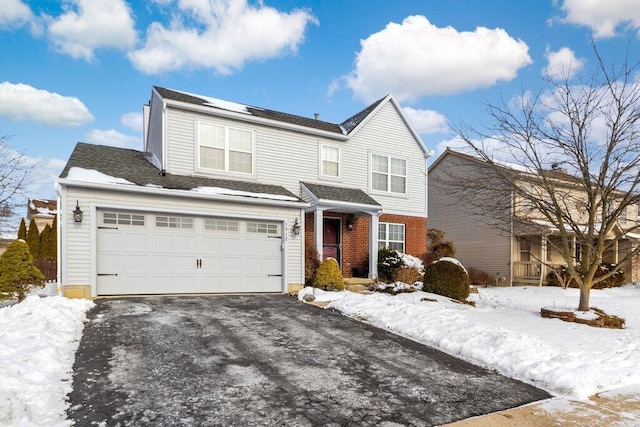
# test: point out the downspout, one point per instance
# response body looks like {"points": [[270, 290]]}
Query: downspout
{"points": [[513, 212]]}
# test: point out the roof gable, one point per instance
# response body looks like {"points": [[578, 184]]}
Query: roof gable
{"points": [[353, 124]]}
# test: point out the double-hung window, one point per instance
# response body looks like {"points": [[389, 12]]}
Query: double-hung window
{"points": [[391, 235], [225, 149], [330, 161], [388, 174]]}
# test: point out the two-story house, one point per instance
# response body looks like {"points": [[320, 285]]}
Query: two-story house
{"points": [[517, 246], [224, 196]]}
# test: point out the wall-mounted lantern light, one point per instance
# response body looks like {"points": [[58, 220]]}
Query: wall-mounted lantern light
{"points": [[296, 227], [350, 221], [77, 213]]}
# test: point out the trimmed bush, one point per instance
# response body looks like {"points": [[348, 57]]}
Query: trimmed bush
{"points": [[389, 261], [408, 275], [17, 272], [561, 277], [22, 231], [480, 278], [447, 279], [33, 239], [329, 275]]}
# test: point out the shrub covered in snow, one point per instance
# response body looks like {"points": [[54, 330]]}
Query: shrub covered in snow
{"points": [[389, 261], [412, 261], [448, 279], [17, 272], [329, 275]]}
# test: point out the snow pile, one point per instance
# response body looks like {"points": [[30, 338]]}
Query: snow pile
{"points": [[505, 332], [38, 341], [320, 295]]}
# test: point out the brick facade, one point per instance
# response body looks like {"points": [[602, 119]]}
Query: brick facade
{"points": [[355, 243]]}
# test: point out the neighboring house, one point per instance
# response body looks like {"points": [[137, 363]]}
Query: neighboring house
{"points": [[516, 248], [43, 211], [224, 196]]}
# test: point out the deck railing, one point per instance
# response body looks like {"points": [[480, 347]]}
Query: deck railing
{"points": [[527, 269]]}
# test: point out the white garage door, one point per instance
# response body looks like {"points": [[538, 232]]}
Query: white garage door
{"points": [[146, 253]]}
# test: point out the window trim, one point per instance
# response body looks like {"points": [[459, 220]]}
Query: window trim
{"points": [[387, 240], [321, 173], [388, 192], [227, 150]]}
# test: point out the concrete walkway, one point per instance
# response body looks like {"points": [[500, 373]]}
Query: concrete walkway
{"points": [[613, 408]]}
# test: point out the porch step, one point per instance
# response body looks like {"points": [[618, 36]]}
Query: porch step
{"points": [[358, 284]]}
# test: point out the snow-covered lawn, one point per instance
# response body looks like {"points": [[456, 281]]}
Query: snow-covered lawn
{"points": [[505, 332], [38, 341]]}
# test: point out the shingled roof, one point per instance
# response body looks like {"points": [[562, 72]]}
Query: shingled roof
{"points": [[134, 166], [340, 194], [254, 111], [352, 122]]}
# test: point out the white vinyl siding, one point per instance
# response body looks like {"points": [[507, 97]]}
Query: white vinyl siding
{"points": [[391, 235], [330, 161], [275, 148], [388, 174], [225, 149]]}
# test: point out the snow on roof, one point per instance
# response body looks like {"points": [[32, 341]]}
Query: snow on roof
{"points": [[220, 103], [228, 192], [42, 207], [91, 175]]}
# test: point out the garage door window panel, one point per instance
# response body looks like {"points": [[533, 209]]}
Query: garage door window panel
{"points": [[123, 218], [174, 222], [221, 225], [262, 228]]}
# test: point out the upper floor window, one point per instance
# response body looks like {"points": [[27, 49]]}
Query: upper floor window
{"points": [[391, 235], [330, 159], [226, 149], [388, 174]]}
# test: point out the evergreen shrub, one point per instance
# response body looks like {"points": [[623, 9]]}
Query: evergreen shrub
{"points": [[389, 261], [447, 279], [329, 275], [17, 272]]}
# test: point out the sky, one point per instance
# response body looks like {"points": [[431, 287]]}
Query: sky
{"points": [[81, 70]]}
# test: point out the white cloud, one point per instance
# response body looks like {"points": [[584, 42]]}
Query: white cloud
{"points": [[113, 138], [426, 121], [562, 64], [20, 102], [132, 121], [222, 35], [416, 59], [91, 24], [603, 17], [14, 12]]}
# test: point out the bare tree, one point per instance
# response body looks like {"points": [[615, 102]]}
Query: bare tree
{"points": [[574, 155], [14, 170]]}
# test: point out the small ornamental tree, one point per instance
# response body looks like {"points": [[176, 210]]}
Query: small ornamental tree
{"points": [[22, 231], [447, 279], [329, 275], [33, 239], [17, 272]]}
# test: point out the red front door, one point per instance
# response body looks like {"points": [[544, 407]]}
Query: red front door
{"points": [[331, 240]]}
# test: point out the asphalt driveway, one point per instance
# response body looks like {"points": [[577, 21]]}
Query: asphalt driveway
{"points": [[267, 360]]}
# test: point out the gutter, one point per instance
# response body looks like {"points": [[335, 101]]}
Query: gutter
{"points": [[183, 194]]}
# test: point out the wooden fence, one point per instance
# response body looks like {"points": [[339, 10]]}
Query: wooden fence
{"points": [[48, 267]]}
